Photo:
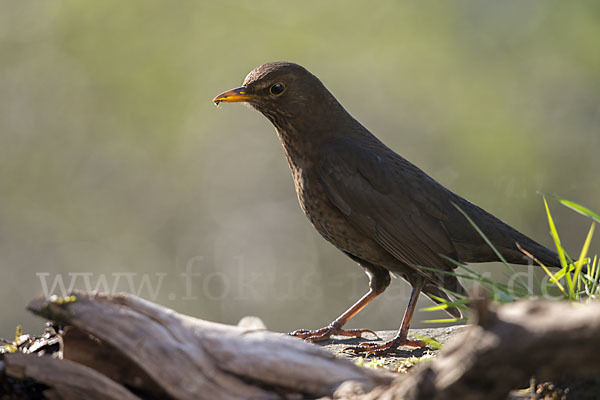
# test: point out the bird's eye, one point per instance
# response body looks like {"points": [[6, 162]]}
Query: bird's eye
{"points": [[277, 89]]}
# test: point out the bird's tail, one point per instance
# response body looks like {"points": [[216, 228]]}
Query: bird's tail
{"points": [[542, 254]]}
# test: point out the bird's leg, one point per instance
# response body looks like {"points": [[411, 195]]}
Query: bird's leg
{"points": [[401, 338], [335, 328], [379, 280]]}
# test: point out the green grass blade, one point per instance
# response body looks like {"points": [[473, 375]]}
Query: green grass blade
{"points": [[584, 250], [578, 208], [445, 304], [564, 271], [553, 278], [559, 249], [431, 343], [475, 276], [489, 243], [451, 273], [451, 293], [444, 320], [594, 272], [555, 237], [487, 283], [482, 278]]}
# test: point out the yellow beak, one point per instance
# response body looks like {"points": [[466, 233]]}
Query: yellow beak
{"points": [[233, 95]]}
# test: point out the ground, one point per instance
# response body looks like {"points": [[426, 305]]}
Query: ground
{"points": [[397, 359], [405, 357]]}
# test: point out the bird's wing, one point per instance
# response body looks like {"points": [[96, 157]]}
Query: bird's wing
{"points": [[389, 201]]}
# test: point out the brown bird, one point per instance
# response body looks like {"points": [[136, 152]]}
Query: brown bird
{"points": [[372, 204]]}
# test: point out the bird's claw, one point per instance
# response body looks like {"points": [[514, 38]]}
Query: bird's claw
{"points": [[378, 349], [317, 335]]}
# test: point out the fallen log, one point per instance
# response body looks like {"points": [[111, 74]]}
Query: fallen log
{"points": [[503, 349], [154, 352], [123, 347]]}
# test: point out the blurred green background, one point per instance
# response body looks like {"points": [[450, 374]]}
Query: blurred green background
{"points": [[114, 163]]}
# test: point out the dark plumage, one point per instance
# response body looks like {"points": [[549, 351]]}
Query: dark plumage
{"points": [[368, 201]]}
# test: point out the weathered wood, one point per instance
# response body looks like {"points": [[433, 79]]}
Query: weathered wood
{"points": [[66, 380], [503, 349], [188, 358], [122, 347]]}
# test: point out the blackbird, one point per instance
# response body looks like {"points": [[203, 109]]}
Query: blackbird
{"points": [[371, 203]]}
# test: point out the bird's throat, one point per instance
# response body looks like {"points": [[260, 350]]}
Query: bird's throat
{"points": [[300, 150]]}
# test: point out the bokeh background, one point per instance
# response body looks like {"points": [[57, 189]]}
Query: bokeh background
{"points": [[114, 163]]}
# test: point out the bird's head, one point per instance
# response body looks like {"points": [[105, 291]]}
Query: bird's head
{"points": [[282, 91]]}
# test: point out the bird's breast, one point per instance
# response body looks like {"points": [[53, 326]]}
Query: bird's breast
{"points": [[329, 221], [314, 202]]}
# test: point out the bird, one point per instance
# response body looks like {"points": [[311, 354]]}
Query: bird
{"points": [[375, 206]]}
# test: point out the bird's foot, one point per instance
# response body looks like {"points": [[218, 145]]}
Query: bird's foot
{"points": [[317, 335], [378, 349]]}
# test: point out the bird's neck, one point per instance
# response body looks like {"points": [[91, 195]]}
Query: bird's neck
{"points": [[302, 144], [303, 136], [300, 148]]}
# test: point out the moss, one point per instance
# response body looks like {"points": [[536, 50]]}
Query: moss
{"points": [[59, 300]]}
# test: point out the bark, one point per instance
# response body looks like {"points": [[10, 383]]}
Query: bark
{"points": [[122, 347], [503, 349], [158, 353]]}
